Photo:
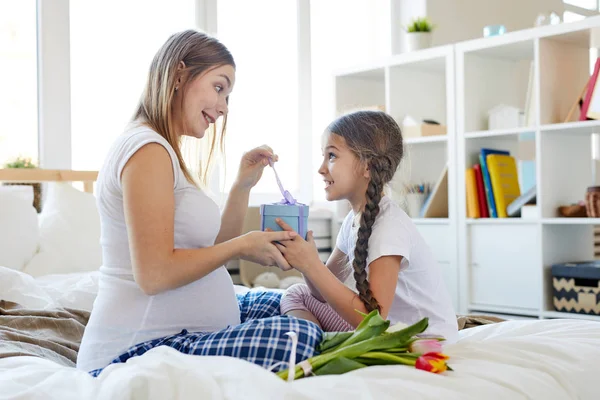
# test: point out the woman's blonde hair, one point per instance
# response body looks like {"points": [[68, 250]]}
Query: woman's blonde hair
{"points": [[200, 53]]}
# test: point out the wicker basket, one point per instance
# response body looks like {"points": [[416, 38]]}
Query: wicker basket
{"points": [[576, 287], [37, 192], [592, 201]]}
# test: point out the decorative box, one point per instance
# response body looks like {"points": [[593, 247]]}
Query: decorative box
{"points": [[577, 287], [413, 131], [295, 215]]}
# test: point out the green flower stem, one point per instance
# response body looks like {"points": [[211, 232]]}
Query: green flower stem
{"points": [[381, 342], [331, 340], [386, 358]]}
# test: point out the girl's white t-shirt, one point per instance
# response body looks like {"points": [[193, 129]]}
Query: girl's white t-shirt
{"points": [[420, 289], [123, 315]]}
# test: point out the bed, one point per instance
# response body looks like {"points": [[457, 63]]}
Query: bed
{"points": [[518, 359]]}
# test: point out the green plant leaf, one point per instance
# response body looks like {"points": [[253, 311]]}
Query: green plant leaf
{"points": [[377, 342], [372, 325], [421, 24], [332, 340], [339, 366], [20, 162]]}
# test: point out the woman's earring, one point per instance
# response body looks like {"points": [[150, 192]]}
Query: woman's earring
{"points": [[176, 88]]}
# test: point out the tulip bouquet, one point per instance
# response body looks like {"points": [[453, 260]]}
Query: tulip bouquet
{"points": [[373, 342]]}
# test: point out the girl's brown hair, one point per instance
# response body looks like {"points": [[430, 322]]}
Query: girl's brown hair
{"points": [[200, 53], [376, 139]]}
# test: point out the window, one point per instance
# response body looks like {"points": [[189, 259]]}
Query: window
{"points": [[576, 10], [112, 45], [18, 80], [569, 16], [587, 4], [262, 36]]}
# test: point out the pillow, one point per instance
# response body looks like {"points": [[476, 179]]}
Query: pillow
{"points": [[19, 232], [23, 191], [69, 233]]}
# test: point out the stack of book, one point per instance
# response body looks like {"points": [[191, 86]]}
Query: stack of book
{"points": [[493, 186]]}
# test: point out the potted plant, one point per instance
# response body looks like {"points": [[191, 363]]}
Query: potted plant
{"points": [[418, 34], [22, 162]]}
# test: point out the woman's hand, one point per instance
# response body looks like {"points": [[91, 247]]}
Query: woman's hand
{"points": [[259, 247], [252, 165], [299, 253]]}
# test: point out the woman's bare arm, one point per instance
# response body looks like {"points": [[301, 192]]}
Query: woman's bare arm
{"points": [[149, 206]]}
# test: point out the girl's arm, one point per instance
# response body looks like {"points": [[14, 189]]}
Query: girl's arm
{"points": [[383, 275], [336, 264], [149, 206]]}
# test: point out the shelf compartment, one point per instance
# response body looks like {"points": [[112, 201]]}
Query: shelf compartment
{"points": [[509, 278]]}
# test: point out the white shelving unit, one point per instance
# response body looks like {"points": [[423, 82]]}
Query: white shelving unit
{"points": [[499, 266], [505, 264], [421, 85]]}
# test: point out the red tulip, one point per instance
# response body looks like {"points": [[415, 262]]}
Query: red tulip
{"points": [[432, 362]]}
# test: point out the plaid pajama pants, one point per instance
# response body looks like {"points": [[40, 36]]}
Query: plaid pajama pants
{"points": [[259, 339]]}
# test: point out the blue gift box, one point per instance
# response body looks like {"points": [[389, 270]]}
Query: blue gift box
{"points": [[295, 215]]}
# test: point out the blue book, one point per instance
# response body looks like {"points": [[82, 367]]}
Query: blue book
{"points": [[487, 181]]}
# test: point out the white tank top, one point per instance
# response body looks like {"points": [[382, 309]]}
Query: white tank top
{"points": [[123, 315]]}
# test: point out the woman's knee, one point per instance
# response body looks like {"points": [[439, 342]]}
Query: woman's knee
{"points": [[309, 333], [256, 304]]}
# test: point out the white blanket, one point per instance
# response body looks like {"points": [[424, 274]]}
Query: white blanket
{"points": [[549, 359]]}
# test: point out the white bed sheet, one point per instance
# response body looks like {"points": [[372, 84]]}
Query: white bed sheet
{"points": [[549, 359]]}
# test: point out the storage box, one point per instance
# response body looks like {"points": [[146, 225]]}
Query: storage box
{"points": [[410, 131], [295, 215], [577, 287]]}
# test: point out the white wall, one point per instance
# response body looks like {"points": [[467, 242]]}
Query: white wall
{"points": [[464, 19], [458, 20]]}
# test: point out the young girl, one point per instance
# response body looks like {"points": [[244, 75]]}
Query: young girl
{"points": [[380, 260]]}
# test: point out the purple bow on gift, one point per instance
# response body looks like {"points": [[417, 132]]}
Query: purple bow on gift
{"points": [[289, 200], [287, 196]]}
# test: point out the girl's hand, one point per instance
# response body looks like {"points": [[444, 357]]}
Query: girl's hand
{"points": [[299, 253], [259, 247], [252, 165]]}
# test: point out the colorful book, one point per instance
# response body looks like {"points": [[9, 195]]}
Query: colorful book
{"points": [[483, 206], [505, 181], [583, 116], [489, 192], [472, 202]]}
